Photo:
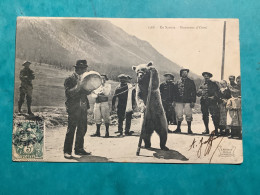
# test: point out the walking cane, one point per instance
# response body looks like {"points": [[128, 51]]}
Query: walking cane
{"points": [[145, 114]]}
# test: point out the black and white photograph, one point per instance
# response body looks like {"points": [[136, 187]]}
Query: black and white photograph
{"points": [[141, 90]]}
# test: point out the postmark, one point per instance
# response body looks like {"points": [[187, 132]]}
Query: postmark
{"points": [[28, 140]]}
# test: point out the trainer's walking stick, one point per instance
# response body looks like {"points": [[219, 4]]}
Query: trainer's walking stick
{"points": [[145, 114]]}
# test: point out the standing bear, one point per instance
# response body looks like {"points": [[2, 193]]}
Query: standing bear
{"points": [[155, 115]]}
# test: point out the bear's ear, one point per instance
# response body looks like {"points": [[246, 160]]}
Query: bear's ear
{"points": [[150, 63], [133, 68]]}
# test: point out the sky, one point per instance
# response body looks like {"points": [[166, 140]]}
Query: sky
{"points": [[196, 44]]}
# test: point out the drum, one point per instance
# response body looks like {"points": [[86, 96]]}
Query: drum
{"points": [[91, 80]]}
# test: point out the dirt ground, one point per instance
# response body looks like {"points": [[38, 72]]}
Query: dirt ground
{"points": [[123, 149]]}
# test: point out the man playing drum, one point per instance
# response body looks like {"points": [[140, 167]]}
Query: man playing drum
{"points": [[77, 105]]}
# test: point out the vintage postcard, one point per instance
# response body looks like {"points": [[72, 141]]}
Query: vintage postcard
{"points": [[127, 90]]}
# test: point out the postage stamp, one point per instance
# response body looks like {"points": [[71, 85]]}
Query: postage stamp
{"points": [[28, 140]]}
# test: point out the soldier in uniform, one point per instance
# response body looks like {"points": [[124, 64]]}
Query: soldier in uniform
{"points": [[26, 77], [77, 105], [168, 91], [209, 93], [125, 93], [184, 99]]}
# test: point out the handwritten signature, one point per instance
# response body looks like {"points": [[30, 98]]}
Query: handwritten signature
{"points": [[208, 143]]}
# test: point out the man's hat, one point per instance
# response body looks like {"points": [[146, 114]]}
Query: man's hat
{"points": [[121, 76], [231, 76], [184, 70], [169, 74], [81, 64], [208, 73], [104, 76], [25, 63]]}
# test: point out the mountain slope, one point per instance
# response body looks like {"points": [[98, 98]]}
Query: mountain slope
{"points": [[107, 48]]}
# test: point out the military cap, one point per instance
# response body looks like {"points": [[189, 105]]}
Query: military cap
{"points": [[184, 70], [208, 73], [81, 64], [122, 76], [25, 63], [104, 75], [169, 74], [231, 76]]}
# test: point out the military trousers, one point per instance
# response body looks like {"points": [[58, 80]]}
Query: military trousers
{"points": [[25, 92], [210, 107], [170, 113]]}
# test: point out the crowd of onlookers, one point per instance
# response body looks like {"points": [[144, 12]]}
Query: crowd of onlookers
{"points": [[221, 100]]}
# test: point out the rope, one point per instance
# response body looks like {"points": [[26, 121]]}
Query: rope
{"points": [[118, 93]]}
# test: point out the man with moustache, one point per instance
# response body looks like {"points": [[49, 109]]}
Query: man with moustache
{"points": [[167, 90], [184, 99], [125, 93], [77, 105], [209, 93]]}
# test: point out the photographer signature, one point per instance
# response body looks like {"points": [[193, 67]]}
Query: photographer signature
{"points": [[208, 144]]}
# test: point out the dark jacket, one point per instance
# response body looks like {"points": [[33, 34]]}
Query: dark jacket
{"points": [[75, 100], [26, 77], [225, 94], [209, 89], [167, 90], [186, 91], [121, 93]]}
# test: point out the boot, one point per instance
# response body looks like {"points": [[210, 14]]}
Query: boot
{"points": [[216, 125], [206, 123], [97, 134], [120, 127], [29, 109], [189, 127], [221, 130], [107, 130], [20, 107], [216, 132], [178, 130]]}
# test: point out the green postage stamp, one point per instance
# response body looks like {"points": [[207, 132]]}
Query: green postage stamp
{"points": [[28, 140]]}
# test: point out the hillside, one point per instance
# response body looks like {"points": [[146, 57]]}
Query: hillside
{"points": [[108, 49]]}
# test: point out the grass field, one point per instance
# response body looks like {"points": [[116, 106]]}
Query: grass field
{"points": [[48, 86]]}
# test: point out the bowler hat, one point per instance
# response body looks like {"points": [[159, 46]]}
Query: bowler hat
{"points": [[184, 70], [169, 74], [81, 64], [25, 63], [208, 73]]}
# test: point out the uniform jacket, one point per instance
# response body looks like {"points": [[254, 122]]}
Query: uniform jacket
{"points": [[209, 89], [168, 91], [26, 77], [185, 91]]}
